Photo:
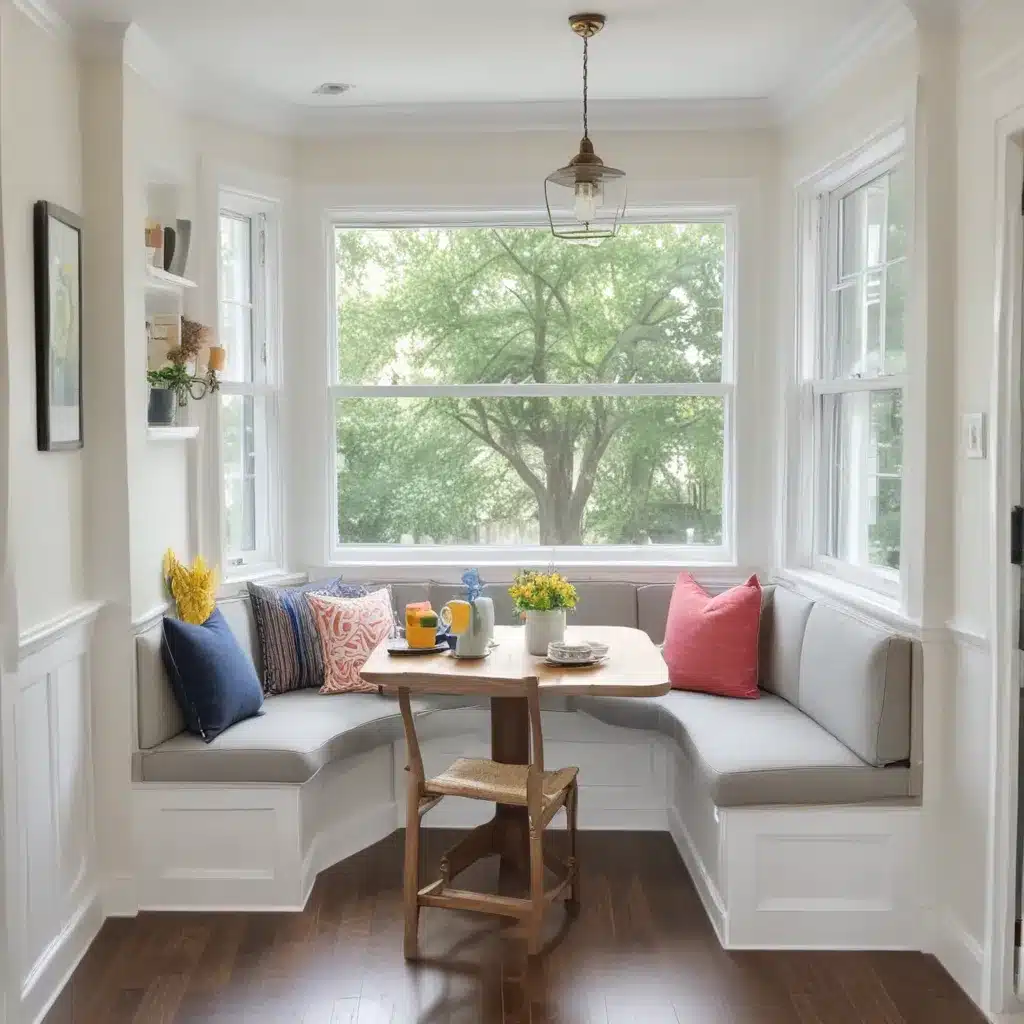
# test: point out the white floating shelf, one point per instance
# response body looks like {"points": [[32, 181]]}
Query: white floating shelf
{"points": [[158, 280], [172, 433]]}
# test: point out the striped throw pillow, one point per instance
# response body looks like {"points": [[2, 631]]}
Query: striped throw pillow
{"points": [[292, 655]]}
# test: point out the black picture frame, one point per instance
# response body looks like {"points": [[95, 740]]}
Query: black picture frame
{"points": [[58, 286]]}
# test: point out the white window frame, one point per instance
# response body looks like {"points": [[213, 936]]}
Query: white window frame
{"points": [[264, 217], [516, 555], [811, 494]]}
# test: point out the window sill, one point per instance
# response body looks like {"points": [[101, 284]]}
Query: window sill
{"points": [[235, 584], [863, 600], [712, 574]]}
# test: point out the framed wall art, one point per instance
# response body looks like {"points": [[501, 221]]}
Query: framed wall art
{"points": [[58, 278]]}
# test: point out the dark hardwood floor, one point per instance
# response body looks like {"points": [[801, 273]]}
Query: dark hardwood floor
{"points": [[641, 952]]}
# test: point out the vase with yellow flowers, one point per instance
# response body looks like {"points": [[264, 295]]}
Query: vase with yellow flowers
{"points": [[542, 599]]}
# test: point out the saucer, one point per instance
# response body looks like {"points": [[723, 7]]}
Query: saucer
{"points": [[575, 664]]}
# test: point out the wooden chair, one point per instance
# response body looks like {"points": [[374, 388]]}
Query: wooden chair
{"points": [[526, 797]]}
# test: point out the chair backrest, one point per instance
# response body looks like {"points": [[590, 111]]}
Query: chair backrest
{"points": [[500, 688]]}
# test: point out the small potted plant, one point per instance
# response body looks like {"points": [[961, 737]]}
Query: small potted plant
{"points": [[167, 386], [542, 599]]}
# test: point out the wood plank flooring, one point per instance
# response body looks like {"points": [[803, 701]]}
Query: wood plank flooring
{"points": [[641, 952]]}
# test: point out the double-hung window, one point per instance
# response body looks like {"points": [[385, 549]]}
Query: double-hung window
{"points": [[248, 330], [859, 376], [497, 388]]}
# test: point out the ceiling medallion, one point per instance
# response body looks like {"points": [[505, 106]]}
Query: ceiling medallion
{"points": [[586, 199]]}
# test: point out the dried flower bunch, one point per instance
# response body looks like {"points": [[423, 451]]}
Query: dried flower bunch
{"points": [[194, 336]]}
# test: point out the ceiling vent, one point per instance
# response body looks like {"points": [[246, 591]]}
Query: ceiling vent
{"points": [[332, 89]]}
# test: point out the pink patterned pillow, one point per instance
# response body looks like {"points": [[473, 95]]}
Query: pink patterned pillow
{"points": [[349, 629]]}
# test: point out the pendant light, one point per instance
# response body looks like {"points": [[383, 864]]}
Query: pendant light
{"points": [[585, 199]]}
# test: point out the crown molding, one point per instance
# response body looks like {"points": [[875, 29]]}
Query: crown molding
{"points": [[889, 24], [46, 17]]}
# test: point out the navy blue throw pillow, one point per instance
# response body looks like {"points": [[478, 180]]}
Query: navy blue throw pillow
{"points": [[214, 680]]}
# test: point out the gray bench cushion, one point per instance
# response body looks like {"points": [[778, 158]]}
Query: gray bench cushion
{"points": [[755, 752], [783, 624], [855, 682], [297, 734]]}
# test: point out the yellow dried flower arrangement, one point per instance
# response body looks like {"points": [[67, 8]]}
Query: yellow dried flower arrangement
{"points": [[193, 588]]}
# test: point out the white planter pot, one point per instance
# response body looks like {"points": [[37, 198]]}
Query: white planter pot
{"points": [[543, 628]]}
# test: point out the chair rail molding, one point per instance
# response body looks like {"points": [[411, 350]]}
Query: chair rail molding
{"points": [[35, 639]]}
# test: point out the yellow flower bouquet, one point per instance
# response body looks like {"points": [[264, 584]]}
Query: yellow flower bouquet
{"points": [[541, 591]]}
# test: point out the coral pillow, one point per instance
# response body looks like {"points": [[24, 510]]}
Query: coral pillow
{"points": [[349, 629], [711, 642]]}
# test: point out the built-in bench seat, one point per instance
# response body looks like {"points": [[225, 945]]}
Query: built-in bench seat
{"points": [[758, 752], [831, 733]]}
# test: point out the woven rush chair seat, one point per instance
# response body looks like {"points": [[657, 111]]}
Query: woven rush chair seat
{"points": [[481, 779]]}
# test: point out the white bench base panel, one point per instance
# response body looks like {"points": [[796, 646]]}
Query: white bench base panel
{"points": [[769, 878]]}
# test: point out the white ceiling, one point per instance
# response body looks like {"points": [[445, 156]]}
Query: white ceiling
{"points": [[413, 52]]}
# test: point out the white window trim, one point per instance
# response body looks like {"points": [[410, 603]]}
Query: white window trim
{"points": [[267, 557], [817, 198], [424, 556]]}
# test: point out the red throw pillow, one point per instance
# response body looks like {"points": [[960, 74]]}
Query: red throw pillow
{"points": [[711, 642]]}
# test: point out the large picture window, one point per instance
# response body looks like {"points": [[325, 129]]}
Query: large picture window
{"points": [[495, 386], [858, 389]]}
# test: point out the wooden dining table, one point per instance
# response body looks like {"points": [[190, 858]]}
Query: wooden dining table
{"points": [[634, 668]]}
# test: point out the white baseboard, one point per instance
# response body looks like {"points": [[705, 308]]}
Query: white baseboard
{"points": [[119, 896], [54, 968], [961, 954]]}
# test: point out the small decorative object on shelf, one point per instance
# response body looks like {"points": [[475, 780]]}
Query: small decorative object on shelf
{"points": [[154, 244], [194, 588], [542, 599], [179, 261], [178, 377]]}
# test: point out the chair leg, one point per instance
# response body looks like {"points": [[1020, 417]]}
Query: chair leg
{"points": [[572, 904], [412, 872], [536, 921]]}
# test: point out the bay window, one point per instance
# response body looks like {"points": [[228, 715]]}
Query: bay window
{"points": [[495, 387]]}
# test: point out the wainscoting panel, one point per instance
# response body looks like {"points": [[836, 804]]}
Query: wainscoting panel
{"points": [[50, 850]]}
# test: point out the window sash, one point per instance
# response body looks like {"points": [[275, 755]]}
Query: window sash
{"points": [[374, 554], [260, 385], [822, 377]]}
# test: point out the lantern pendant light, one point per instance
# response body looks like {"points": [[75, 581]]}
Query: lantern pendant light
{"points": [[586, 199]]}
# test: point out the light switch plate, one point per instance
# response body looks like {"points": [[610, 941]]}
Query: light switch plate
{"points": [[975, 441]]}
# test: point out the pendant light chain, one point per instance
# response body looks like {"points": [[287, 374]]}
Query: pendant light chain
{"points": [[586, 50]]}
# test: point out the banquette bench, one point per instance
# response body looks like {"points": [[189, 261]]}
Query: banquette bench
{"points": [[796, 814]]}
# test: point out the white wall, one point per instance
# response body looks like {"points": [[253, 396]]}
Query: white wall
{"points": [[51, 909], [990, 86], [41, 159]]}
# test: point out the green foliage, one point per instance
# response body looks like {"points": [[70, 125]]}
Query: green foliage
{"points": [[509, 306], [172, 377]]}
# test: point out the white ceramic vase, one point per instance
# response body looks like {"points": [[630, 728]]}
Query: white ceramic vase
{"points": [[543, 628]]}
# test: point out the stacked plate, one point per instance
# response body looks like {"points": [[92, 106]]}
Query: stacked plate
{"points": [[567, 655]]}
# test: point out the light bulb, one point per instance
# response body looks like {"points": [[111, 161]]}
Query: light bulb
{"points": [[588, 201]]}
